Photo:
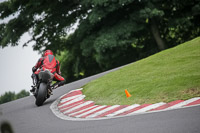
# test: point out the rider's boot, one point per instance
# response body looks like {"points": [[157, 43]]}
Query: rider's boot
{"points": [[35, 82], [50, 91], [58, 84], [33, 89], [54, 86]]}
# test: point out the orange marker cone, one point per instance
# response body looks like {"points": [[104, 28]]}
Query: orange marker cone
{"points": [[127, 93]]}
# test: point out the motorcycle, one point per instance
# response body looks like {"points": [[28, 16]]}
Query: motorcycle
{"points": [[43, 86]]}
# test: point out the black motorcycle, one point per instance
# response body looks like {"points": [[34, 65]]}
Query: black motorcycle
{"points": [[43, 86]]}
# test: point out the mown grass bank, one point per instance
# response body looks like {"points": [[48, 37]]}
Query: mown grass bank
{"points": [[166, 76]]}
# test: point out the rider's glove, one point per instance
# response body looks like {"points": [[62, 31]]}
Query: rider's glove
{"points": [[34, 69]]}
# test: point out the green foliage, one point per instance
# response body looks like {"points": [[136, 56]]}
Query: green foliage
{"points": [[43, 21], [10, 96], [7, 97], [22, 94], [117, 32], [110, 32]]}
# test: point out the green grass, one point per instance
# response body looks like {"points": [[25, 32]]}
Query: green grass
{"points": [[166, 76]]}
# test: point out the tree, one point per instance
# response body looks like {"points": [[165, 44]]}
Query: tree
{"points": [[43, 21], [119, 32], [22, 93], [110, 32], [10, 96]]}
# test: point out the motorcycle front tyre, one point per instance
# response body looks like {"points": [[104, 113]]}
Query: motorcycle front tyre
{"points": [[41, 95]]}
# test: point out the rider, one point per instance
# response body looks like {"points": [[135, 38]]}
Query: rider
{"points": [[48, 61]]}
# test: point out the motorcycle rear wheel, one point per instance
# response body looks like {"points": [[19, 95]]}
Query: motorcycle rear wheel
{"points": [[41, 94]]}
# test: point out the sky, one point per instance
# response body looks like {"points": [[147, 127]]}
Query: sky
{"points": [[16, 63], [16, 67]]}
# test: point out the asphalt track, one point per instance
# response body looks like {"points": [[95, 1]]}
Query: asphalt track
{"points": [[26, 117]]}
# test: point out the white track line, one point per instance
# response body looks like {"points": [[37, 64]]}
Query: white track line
{"points": [[72, 101], [93, 110], [148, 108], [69, 98], [75, 90], [82, 110], [183, 103], [123, 110], [79, 106], [54, 108], [102, 111]]}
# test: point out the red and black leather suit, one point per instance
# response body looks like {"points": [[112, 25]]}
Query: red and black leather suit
{"points": [[49, 62]]}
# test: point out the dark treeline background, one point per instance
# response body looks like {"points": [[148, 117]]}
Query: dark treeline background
{"points": [[10, 96], [110, 33]]}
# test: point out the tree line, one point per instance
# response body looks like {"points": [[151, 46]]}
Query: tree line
{"points": [[10, 96], [110, 33]]}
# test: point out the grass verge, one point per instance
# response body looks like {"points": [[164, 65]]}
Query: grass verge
{"points": [[166, 76]]}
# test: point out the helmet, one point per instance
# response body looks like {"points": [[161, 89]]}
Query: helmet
{"points": [[48, 52]]}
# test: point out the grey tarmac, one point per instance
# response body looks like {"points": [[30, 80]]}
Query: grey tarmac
{"points": [[26, 117]]}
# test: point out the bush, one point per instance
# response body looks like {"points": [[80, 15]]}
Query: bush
{"points": [[10, 96]]}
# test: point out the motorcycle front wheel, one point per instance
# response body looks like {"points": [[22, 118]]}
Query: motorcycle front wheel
{"points": [[41, 94]]}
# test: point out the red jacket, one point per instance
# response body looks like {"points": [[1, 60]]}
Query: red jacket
{"points": [[49, 62]]}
